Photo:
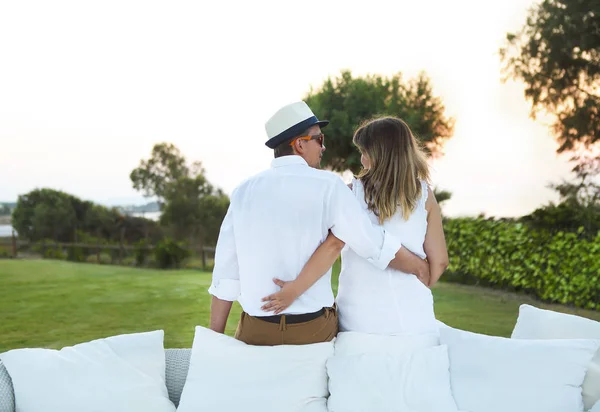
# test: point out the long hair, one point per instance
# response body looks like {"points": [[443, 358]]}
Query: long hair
{"points": [[398, 163]]}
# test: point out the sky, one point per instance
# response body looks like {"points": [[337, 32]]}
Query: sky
{"points": [[87, 89]]}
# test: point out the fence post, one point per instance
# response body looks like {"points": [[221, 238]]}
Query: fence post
{"points": [[203, 258], [14, 245], [121, 250]]}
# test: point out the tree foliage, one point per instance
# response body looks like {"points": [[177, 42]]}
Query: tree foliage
{"points": [[578, 209], [557, 55], [191, 207], [348, 101], [56, 215]]}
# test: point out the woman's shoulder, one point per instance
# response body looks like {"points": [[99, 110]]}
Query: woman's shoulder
{"points": [[427, 196]]}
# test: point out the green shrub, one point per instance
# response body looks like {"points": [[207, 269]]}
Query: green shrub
{"points": [[141, 252], [41, 246], [76, 254], [562, 267], [54, 253], [91, 259], [5, 252], [169, 254], [105, 259], [129, 261]]}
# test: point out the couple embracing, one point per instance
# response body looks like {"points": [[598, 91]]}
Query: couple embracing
{"points": [[286, 226]]}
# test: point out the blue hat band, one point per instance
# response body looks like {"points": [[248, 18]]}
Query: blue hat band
{"points": [[293, 131]]}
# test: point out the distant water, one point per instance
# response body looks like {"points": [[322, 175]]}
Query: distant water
{"points": [[5, 230], [148, 215]]}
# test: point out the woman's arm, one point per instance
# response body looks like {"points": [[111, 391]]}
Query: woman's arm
{"points": [[318, 264], [435, 243]]}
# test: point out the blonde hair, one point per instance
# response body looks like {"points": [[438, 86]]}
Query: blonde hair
{"points": [[398, 163]]}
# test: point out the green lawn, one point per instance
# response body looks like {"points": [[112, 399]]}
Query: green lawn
{"points": [[54, 304]]}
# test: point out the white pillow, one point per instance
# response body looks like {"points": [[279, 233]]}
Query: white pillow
{"points": [[121, 373], [416, 381], [596, 407], [357, 343], [534, 323], [494, 374], [227, 375]]}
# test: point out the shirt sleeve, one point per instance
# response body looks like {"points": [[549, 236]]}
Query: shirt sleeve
{"points": [[350, 223], [226, 273]]}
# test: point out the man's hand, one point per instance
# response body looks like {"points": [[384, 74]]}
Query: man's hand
{"points": [[279, 301], [407, 262], [422, 273]]}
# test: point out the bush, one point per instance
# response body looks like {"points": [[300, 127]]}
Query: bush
{"points": [[562, 267], [169, 254], [129, 261], [141, 252], [105, 259], [566, 217], [54, 253], [76, 254], [5, 252]]}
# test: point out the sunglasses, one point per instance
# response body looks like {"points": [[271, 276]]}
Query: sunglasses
{"points": [[320, 138]]}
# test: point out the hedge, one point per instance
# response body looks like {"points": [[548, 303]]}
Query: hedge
{"points": [[562, 268]]}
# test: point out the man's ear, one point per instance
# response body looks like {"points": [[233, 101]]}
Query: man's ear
{"points": [[298, 148]]}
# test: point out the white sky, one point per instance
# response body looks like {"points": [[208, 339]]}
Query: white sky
{"points": [[87, 88]]}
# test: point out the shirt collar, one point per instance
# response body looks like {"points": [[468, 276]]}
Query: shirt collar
{"points": [[288, 161]]}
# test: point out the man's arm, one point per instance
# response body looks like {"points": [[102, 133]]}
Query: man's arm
{"points": [[219, 312], [225, 286], [351, 224], [407, 262]]}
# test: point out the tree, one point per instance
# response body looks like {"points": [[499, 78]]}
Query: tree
{"points": [[52, 214], [579, 205], [557, 55], [165, 166], [190, 205], [347, 101], [45, 214]]}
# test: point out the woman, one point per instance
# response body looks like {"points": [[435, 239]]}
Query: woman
{"points": [[392, 188]]}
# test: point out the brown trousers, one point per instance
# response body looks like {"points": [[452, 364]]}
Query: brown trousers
{"points": [[254, 331]]}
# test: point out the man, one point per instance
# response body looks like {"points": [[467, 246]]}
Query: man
{"points": [[275, 222]]}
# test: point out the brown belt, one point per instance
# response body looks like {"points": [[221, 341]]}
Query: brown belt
{"points": [[291, 319]]}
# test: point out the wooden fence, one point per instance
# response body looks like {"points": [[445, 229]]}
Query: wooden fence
{"points": [[14, 244]]}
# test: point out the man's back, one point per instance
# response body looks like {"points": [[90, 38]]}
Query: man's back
{"points": [[279, 217]]}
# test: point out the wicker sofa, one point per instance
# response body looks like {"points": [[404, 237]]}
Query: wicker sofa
{"points": [[178, 361]]}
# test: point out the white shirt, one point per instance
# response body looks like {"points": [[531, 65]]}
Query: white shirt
{"points": [[388, 301], [275, 222]]}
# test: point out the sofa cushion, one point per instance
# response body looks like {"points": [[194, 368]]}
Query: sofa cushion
{"points": [[495, 374], [357, 343], [118, 374], [535, 323], [407, 381], [228, 375]]}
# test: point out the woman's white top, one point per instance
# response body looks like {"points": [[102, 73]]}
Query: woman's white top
{"points": [[371, 300]]}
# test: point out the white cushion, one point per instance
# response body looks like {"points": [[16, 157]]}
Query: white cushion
{"points": [[494, 374], [119, 374], [227, 375], [357, 343], [534, 323], [416, 381]]}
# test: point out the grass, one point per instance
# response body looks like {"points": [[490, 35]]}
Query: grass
{"points": [[54, 304]]}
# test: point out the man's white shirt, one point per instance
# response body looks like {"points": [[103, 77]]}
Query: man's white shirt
{"points": [[275, 222]]}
